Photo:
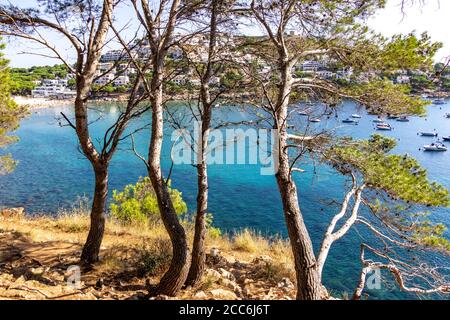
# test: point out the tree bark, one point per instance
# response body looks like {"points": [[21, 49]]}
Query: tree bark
{"points": [[198, 249], [91, 249], [308, 280], [176, 275]]}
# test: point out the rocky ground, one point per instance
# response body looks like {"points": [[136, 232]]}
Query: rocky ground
{"points": [[39, 262]]}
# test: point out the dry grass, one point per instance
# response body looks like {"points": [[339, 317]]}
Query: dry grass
{"points": [[147, 246], [250, 241]]}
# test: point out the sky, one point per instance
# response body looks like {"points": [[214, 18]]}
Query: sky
{"points": [[432, 17]]}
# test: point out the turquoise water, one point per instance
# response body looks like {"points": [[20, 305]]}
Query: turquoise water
{"points": [[52, 173]]}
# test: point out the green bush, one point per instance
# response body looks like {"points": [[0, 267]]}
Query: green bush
{"points": [[138, 203]]}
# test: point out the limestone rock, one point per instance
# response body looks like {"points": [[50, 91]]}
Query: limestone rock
{"points": [[223, 294], [212, 273], [285, 284], [231, 285], [226, 274], [201, 295]]}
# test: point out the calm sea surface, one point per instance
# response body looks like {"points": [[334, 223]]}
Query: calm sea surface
{"points": [[52, 173]]}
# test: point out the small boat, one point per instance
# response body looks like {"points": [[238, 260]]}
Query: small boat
{"points": [[428, 134], [305, 112], [403, 119], [439, 101], [378, 120], [384, 126], [447, 115], [314, 120], [349, 120], [446, 138], [356, 116], [437, 146], [392, 117]]}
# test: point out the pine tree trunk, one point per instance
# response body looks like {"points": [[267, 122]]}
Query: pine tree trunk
{"points": [[176, 275], [308, 280], [91, 249], [198, 249]]}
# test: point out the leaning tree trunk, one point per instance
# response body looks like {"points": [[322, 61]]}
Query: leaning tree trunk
{"points": [[175, 277], [91, 249], [198, 249], [308, 280]]}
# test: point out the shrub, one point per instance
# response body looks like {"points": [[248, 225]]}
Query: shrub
{"points": [[213, 232], [138, 203]]}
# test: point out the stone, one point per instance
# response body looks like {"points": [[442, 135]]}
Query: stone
{"points": [[200, 295], [160, 297], [214, 252], [262, 260], [226, 274], [223, 294], [12, 212], [239, 265], [212, 273], [231, 285], [285, 284], [38, 271]]}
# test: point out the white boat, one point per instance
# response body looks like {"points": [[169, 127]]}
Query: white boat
{"points": [[428, 134], [446, 138], [384, 126], [356, 116], [305, 112], [349, 120], [447, 115], [437, 146], [378, 120], [439, 101], [403, 119], [314, 120]]}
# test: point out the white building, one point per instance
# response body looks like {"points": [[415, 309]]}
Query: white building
{"points": [[106, 79], [121, 81], [403, 79], [310, 66], [325, 74], [50, 88]]}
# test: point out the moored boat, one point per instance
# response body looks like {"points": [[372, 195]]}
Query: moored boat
{"points": [[446, 138], [349, 120], [384, 126], [428, 134], [403, 119], [378, 120], [439, 101], [305, 112], [436, 146], [356, 116], [314, 120], [447, 115]]}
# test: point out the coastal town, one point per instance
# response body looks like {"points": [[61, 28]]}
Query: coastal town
{"points": [[116, 71]]}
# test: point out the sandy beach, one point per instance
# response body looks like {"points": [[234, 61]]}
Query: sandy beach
{"points": [[40, 103]]}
